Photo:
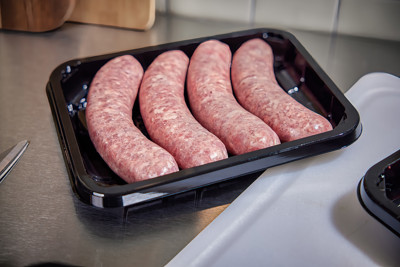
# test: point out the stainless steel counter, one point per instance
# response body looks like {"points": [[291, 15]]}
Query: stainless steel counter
{"points": [[41, 220]]}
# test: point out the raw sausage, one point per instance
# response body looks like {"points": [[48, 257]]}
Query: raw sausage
{"points": [[167, 117], [123, 147], [257, 91], [214, 106]]}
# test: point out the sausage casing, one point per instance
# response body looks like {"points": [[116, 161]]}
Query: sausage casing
{"points": [[214, 106], [123, 147], [257, 90], [168, 119]]}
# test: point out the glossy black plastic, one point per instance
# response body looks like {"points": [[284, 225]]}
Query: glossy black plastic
{"points": [[296, 72], [379, 191]]}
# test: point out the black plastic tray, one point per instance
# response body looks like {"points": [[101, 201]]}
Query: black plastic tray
{"points": [[379, 191], [296, 71]]}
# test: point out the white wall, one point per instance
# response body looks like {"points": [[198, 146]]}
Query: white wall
{"points": [[370, 18]]}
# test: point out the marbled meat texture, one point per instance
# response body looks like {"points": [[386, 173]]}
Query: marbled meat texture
{"points": [[167, 117], [257, 91], [123, 147], [214, 106]]}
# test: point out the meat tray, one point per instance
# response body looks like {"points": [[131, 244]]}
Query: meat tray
{"points": [[379, 192], [295, 70]]}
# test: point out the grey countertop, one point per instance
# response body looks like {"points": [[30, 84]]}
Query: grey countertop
{"points": [[41, 220]]}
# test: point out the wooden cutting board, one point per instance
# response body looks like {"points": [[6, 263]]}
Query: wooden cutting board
{"points": [[132, 14], [34, 15], [46, 15]]}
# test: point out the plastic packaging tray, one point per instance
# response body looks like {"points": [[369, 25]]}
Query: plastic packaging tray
{"points": [[295, 70], [379, 191]]}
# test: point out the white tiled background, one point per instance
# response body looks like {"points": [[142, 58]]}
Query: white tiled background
{"points": [[369, 18]]}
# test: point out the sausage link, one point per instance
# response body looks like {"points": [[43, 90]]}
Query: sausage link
{"points": [[123, 147], [214, 106], [257, 91], [167, 117]]}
